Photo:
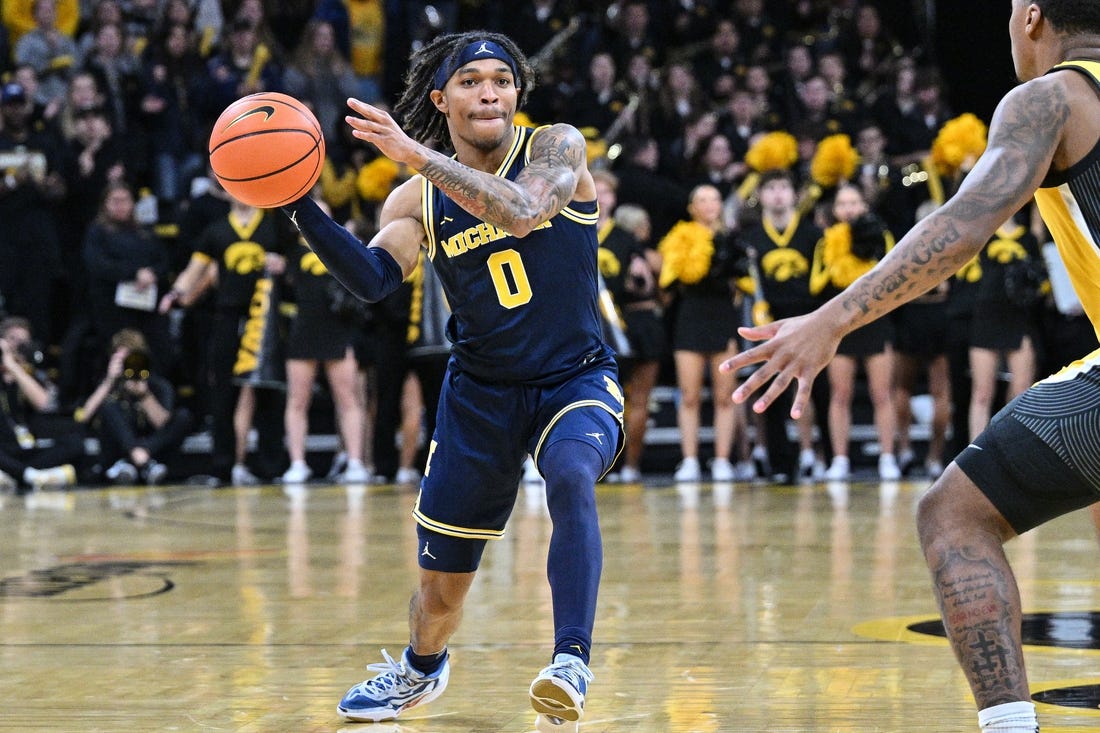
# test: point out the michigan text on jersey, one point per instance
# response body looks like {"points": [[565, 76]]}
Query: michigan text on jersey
{"points": [[476, 236]]}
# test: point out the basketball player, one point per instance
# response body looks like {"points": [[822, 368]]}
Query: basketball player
{"points": [[509, 223], [1025, 468]]}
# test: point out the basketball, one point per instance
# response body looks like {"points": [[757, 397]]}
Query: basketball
{"points": [[267, 149]]}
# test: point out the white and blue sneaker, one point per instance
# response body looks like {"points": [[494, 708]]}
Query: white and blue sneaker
{"points": [[558, 692], [391, 693]]}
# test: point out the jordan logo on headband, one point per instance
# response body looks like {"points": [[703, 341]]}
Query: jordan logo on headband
{"points": [[483, 48]]}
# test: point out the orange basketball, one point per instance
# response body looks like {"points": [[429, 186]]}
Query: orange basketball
{"points": [[266, 149]]}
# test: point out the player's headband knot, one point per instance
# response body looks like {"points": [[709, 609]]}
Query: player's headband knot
{"points": [[473, 52]]}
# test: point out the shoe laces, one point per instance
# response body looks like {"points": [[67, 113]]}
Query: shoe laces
{"points": [[573, 671], [394, 673]]}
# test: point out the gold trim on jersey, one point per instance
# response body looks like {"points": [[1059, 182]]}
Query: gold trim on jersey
{"points": [[1092, 67], [572, 406], [245, 229], [579, 216], [1062, 215], [518, 144], [782, 239], [1080, 366], [427, 215], [202, 257], [466, 533]]}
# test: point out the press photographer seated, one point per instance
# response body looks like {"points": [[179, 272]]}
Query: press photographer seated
{"points": [[133, 414], [26, 398]]}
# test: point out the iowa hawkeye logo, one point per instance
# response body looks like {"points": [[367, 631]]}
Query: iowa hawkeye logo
{"points": [[1075, 631]]}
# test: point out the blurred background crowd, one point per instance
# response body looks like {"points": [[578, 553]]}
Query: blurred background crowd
{"points": [[752, 159]]}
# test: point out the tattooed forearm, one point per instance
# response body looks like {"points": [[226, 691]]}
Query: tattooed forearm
{"points": [[1023, 138], [980, 610], [541, 190], [907, 272]]}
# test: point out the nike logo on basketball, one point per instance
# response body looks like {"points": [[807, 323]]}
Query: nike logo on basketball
{"points": [[267, 109], [597, 436], [482, 49], [427, 554]]}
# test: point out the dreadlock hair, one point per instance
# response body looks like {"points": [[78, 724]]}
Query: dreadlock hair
{"points": [[1072, 16], [421, 120]]}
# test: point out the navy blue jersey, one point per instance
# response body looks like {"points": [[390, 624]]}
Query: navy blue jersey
{"points": [[522, 310]]}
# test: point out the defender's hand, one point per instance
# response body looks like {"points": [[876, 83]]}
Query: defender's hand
{"points": [[794, 349]]}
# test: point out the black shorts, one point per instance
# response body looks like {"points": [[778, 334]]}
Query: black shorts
{"points": [[1000, 327], [867, 340], [1030, 462], [646, 331], [920, 330]]}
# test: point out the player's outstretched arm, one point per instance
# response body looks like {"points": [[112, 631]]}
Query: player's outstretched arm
{"points": [[373, 271], [1025, 134], [542, 189]]}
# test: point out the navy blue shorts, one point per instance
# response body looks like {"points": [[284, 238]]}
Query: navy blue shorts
{"points": [[483, 433]]}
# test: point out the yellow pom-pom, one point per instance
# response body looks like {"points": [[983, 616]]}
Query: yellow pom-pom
{"points": [[686, 250], [835, 160], [773, 151], [376, 179], [844, 267], [959, 143]]}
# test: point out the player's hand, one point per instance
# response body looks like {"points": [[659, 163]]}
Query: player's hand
{"points": [[379, 129], [793, 350]]}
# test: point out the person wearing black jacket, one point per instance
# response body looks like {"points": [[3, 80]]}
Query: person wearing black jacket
{"points": [[126, 264]]}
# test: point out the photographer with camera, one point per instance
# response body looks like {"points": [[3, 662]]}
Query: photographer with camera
{"points": [[850, 247], [26, 397], [133, 413]]}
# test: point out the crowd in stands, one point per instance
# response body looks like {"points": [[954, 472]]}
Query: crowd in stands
{"points": [[753, 159]]}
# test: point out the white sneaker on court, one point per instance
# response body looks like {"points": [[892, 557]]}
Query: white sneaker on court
{"points": [[839, 469], [688, 470]]}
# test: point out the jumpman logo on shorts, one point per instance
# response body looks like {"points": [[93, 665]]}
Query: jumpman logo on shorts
{"points": [[597, 436], [426, 553]]}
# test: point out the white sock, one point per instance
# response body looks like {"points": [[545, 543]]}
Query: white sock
{"points": [[29, 474], [1009, 717]]}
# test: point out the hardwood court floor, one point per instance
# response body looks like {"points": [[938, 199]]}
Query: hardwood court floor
{"points": [[724, 608]]}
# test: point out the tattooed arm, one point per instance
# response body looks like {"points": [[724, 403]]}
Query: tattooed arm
{"points": [[558, 170], [541, 190], [1025, 135]]}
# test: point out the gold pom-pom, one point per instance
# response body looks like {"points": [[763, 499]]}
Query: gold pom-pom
{"points": [[376, 179], [844, 268], [835, 160], [687, 250], [773, 151], [959, 143]]}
